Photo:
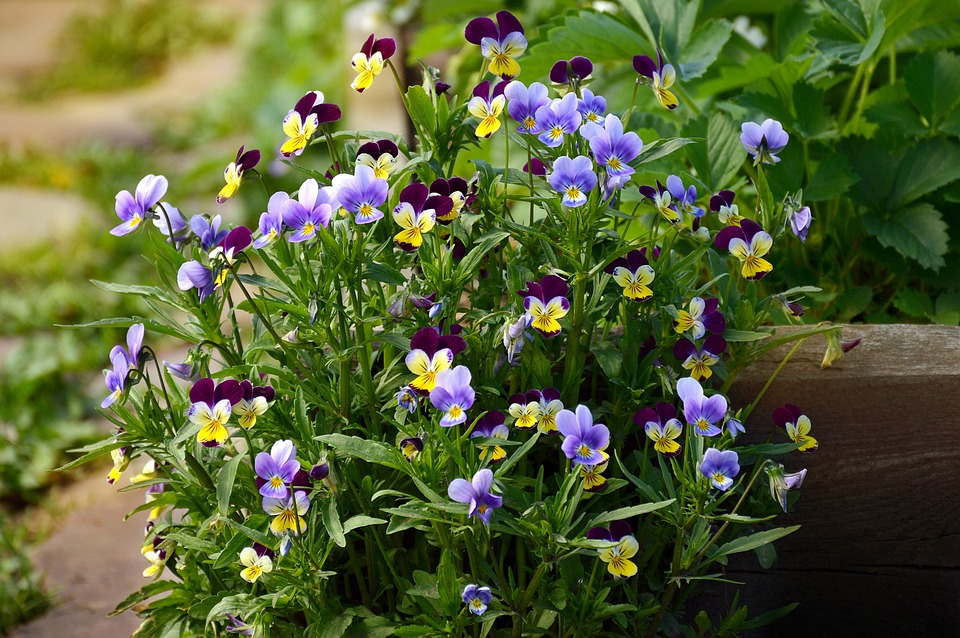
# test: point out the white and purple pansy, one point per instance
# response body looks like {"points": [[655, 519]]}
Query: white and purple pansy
{"points": [[133, 209]]}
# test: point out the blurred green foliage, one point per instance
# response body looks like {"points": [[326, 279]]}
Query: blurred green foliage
{"points": [[22, 594]]}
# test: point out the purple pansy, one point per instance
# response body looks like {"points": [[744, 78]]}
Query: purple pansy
{"points": [[583, 440], [408, 399], [781, 482], [132, 209], [115, 379], [211, 406], [571, 72], [764, 141], [634, 274], [662, 200], [381, 156], [703, 315], [722, 204], [134, 344], [499, 43], [312, 209], [611, 147], [515, 334], [800, 222], [748, 242], [684, 199], [361, 193], [255, 401], [271, 222], [476, 493], [207, 230], [431, 352], [523, 103], [662, 77], [410, 447], [168, 217], [277, 469], [558, 118], [233, 174], [459, 192], [476, 598], [453, 395], [573, 179], [720, 467], [535, 166], [193, 274], [491, 426], [700, 412], [546, 302], [698, 360], [591, 107]]}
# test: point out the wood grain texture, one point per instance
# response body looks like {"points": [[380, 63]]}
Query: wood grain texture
{"points": [[878, 552]]}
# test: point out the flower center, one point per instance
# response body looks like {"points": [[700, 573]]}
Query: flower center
{"points": [[456, 412], [573, 193]]}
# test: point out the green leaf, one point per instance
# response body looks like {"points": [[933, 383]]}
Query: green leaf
{"points": [[331, 521], [225, 481], [766, 555], [747, 543], [833, 178], [467, 266], [813, 117], [384, 273], [851, 33], [420, 107], [629, 512], [854, 301], [933, 82], [918, 233], [720, 156], [609, 357], [189, 541], [145, 592], [703, 48], [358, 521], [914, 303], [925, 168], [372, 451], [660, 148], [738, 336]]}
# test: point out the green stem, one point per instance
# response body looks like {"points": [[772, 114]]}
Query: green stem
{"points": [[366, 371]]}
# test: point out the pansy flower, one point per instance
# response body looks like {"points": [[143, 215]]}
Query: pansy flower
{"points": [[158, 552], [271, 221], [797, 426], [624, 547], [491, 426], [476, 598], [255, 401], [416, 214], [523, 102], [698, 360], [583, 440], [430, 353], [550, 406], [134, 344], [684, 199], [303, 120], [133, 209], [702, 315], [592, 475], [557, 118], [487, 108], [311, 210], [661, 426], [225, 254], [748, 242], [722, 204], [411, 447], [525, 409], [572, 73], [211, 406], [381, 156], [323, 472], [720, 467], [287, 513], [453, 395], [763, 141], [546, 302], [611, 147], [369, 62], [277, 469], [407, 399], [800, 222], [499, 43], [361, 193], [255, 564], [662, 200], [661, 76], [573, 179], [233, 174], [782, 482], [700, 412], [634, 274], [208, 231], [515, 334], [169, 217], [238, 626], [459, 192], [476, 493], [734, 427], [121, 461], [591, 107]]}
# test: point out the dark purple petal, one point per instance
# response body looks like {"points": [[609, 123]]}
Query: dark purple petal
{"points": [[246, 388], [441, 205], [229, 389], [237, 240], [636, 259], [370, 148], [581, 66], [327, 113], [550, 394], [386, 47], [499, 88], [425, 339], [388, 146], [265, 391], [749, 228], [533, 290], [508, 24], [644, 65], [723, 238], [248, 160], [714, 344], [305, 104], [415, 194], [558, 73], [535, 166], [482, 90], [646, 415], [619, 529], [440, 87], [455, 343], [666, 411], [202, 392], [553, 286], [600, 534], [367, 48], [480, 28], [684, 348]]}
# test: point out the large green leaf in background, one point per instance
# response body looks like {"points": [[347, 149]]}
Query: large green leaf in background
{"points": [[720, 155], [851, 32], [918, 232], [933, 83]]}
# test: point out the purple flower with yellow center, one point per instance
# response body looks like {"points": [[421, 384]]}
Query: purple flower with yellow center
{"points": [[661, 76], [255, 564], [491, 426], [271, 222], [411, 447], [748, 242], [558, 118], [211, 406], [381, 156], [407, 399], [702, 315], [133, 209], [311, 210], [797, 426], [722, 204], [287, 513], [572, 73], [476, 598], [277, 469], [416, 214], [115, 379], [781, 482], [499, 43], [487, 108], [550, 406], [458, 191], [800, 222], [698, 360], [661, 426], [254, 402], [546, 302], [429, 354], [453, 395], [525, 409], [369, 62], [763, 141], [573, 179], [361, 193], [611, 147], [476, 494], [233, 174], [684, 199], [700, 412], [523, 102], [134, 345], [591, 107], [720, 467], [662, 200], [583, 440], [624, 547], [634, 274], [208, 231]]}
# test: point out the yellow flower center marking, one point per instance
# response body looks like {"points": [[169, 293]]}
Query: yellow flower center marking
{"points": [[702, 424], [366, 210], [529, 122], [614, 164], [456, 412], [556, 133], [573, 193], [309, 228]]}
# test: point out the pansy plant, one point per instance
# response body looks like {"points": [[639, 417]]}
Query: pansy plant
{"points": [[381, 156], [611, 147], [728, 212], [661, 199], [278, 469], [476, 598], [583, 440], [303, 120], [476, 493], [660, 76], [623, 546], [211, 407], [703, 414], [573, 179], [763, 141], [720, 467], [271, 222], [287, 513], [571, 74], [416, 214], [431, 353], [500, 43], [491, 426], [701, 315], [361, 193], [557, 119], [134, 209], [453, 395], [310, 211], [255, 401], [523, 103], [699, 360], [487, 108], [525, 409], [459, 192]]}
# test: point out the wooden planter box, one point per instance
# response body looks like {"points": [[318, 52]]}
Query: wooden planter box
{"points": [[878, 552]]}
